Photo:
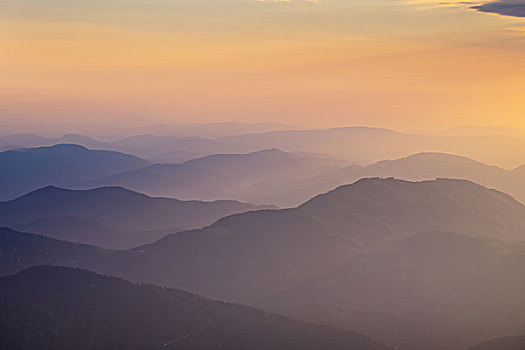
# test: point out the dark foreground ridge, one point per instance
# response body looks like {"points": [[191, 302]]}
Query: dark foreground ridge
{"points": [[48, 307]]}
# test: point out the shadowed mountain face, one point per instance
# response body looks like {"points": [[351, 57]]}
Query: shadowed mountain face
{"points": [[81, 230], [434, 290], [220, 176], [504, 343], [110, 217], [405, 333], [435, 253], [20, 251], [401, 207], [76, 309], [26, 170]]}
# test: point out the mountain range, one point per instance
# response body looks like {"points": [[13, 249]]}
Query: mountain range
{"points": [[360, 145], [120, 131], [62, 308], [287, 180], [110, 217], [446, 255], [25, 170], [417, 167], [17, 141], [217, 176], [264, 177]]}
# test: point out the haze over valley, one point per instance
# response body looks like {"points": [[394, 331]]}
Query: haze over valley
{"points": [[262, 175]]}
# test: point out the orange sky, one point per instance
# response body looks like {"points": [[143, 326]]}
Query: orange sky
{"points": [[390, 63]]}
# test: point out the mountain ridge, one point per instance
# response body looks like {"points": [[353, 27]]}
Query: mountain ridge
{"points": [[379, 245], [124, 218], [115, 314], [220, 175], [28, 169], [416, 167]]}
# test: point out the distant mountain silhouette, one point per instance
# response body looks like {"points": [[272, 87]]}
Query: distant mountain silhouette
{"points": [[221, 175], [360, 145], [23, 141], [25, 170], [163, 143], [432, 165], [32, 140], [288, 180], [207, 130], [157, 146], [76, 309], [82, 140], [175, 156], [366, 145], [425, 252], [504, 343], [110, 217], [417, 167]]}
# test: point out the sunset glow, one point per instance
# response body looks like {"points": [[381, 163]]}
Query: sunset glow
{"points": [[403, 64]]}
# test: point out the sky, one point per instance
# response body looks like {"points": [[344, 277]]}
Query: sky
{"points": [[402, 64]]}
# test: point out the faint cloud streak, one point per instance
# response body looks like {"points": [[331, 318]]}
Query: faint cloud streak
{"points": [[514, 8]]}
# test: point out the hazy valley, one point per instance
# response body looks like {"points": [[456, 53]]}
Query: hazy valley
{"points": [[262, 175], [433, 264]]}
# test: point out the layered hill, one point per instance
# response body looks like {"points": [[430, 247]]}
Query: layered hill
{"points": [[76, 309], [366, 145], [110, 217], [357, 144], [425, 166], [442, 254], [25, 170], [220, 176], [21, 250], [417, 167], [164, 147]]}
